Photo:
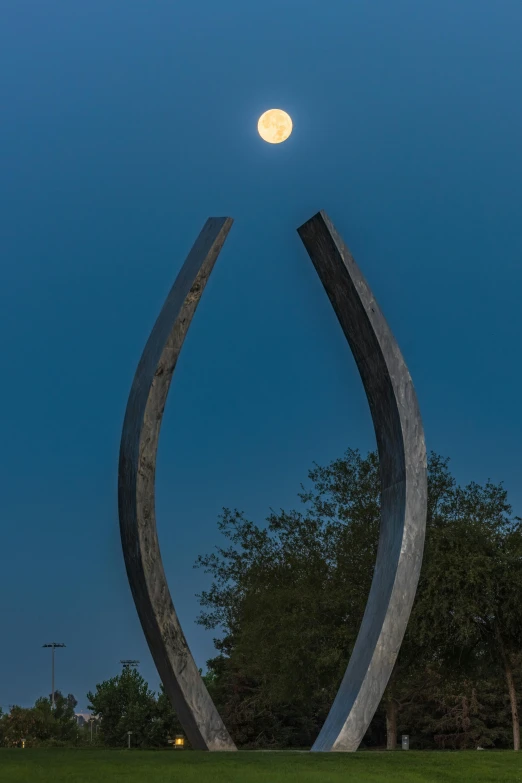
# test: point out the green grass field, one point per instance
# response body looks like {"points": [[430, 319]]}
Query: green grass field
{"points": [[101, 766]]}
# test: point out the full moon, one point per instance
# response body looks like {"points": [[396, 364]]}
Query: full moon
{"points": [[275, 126]]}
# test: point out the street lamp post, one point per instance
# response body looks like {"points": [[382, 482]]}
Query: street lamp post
{"points": [[129, 663], [53, 645]]}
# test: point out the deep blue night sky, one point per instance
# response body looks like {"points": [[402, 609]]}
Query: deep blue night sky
{"points": [[124, 125]]}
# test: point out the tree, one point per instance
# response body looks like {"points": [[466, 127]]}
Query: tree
{"points": [[125, 703], [41, 725], [470, 597], [302, 584], [21, 723], [288, 599], [58, 724], [460, 709]]}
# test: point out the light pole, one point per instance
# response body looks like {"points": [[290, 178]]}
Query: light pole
{"points": [[129, 663], [53, 645]]}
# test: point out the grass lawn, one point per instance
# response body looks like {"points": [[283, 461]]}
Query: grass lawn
{"points": [[102, 766]]}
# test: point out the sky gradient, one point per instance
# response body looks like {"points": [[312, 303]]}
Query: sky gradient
{"points": [[126, 124]]}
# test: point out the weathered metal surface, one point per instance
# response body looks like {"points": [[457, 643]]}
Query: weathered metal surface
{"points": [[402, 455], [137, 466]]}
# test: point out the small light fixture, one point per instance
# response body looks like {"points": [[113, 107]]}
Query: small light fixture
{"points": [[23, 742], [179, 741]]}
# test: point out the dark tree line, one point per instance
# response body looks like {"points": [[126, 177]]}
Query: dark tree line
{"points": [[287, 599], [125, 703], [41, 724], [121, 704]]}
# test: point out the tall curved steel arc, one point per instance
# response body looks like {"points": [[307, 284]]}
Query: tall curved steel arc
{"points": [[137, 467], [402, 455]]}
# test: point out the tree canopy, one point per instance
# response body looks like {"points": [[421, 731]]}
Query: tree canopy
{"points": [[40, 724], [124, 703], [287, 598]]}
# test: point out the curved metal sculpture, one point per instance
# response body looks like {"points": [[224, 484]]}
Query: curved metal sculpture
{"points": [[139, 442], [402, 454], [402, 459]]}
